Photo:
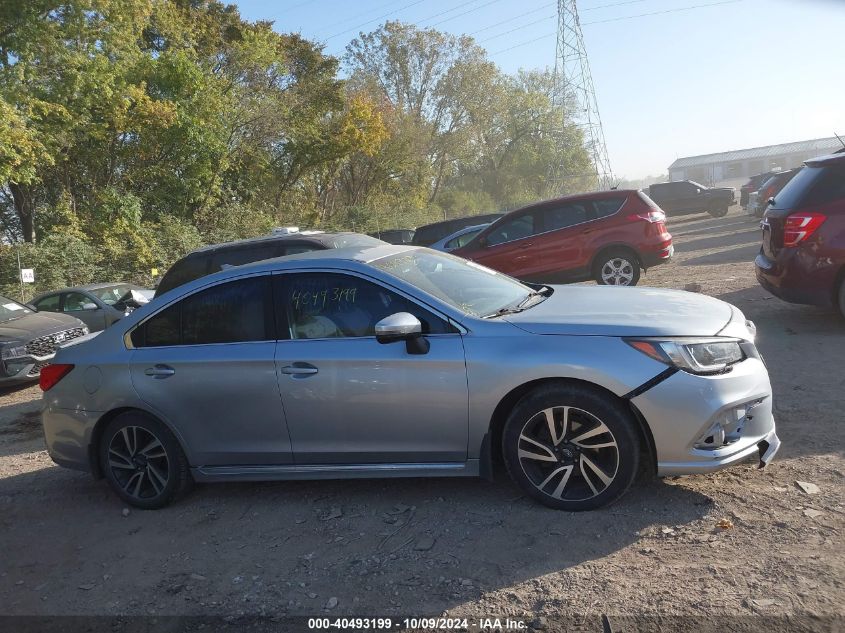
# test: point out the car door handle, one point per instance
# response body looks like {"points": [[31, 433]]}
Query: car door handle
{"points": [[528, 245], [299, 369], [159, 371]]}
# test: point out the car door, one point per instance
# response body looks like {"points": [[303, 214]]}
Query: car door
{"points": [[352, 400], [560, 244], [85, 308], [206, 364], [507, 246]]}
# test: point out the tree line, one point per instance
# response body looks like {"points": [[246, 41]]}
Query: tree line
{"points": [[133, 131]]}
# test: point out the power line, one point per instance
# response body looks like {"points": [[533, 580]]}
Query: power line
{"points": [[455, 17], [493, 26], [378, 19], [374, 10], [437, 15], [518, 28], [628, 17]]}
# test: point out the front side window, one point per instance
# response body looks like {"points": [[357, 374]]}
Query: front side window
{"points": [[517, 228], [462, 240], [112, 294], [76, 301], [333, 305], [232, 312]]}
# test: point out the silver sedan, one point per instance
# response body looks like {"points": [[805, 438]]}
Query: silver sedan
{"points": [[397, 361]]}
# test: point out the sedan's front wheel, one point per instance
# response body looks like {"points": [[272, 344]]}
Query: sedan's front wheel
{"points": [[571, 447], [142, 461]]}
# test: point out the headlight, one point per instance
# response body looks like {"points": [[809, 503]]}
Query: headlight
{"points": [[696, 356], [12, 350]]}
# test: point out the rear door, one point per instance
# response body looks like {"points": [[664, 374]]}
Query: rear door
{"points": [[206, 364], [508, 245]]}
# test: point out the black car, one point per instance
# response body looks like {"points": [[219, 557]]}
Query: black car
{"points": [[212, 259], [687, 196], [395, 236], [436, 231], [29, 339], [96, 305]]}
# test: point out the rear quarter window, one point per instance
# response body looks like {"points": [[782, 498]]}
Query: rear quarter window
{"points": [[799, 191], [185, 270]]}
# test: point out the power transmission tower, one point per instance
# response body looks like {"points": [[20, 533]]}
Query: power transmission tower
{"points": [[575, 94]]}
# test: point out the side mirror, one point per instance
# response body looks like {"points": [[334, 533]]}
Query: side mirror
{"points": [[770, 202], [402, 326], [698, 191], [89, 306]]}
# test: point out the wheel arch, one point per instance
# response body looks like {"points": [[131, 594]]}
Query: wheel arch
{"points": [[614, 247], [102, 423], [838, 287], [491, 450]]}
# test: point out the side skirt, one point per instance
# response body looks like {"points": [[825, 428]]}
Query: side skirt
{"points": [[286, 472]]}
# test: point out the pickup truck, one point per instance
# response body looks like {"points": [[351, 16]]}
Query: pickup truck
{"points": [[687, 196]]}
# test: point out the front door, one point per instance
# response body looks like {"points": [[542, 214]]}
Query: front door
{"points": [[352, 400], [508, 246], [85, 309], [206, 365]]}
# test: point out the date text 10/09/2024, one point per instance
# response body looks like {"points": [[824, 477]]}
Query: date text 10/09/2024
{"points": [[433, 624]]}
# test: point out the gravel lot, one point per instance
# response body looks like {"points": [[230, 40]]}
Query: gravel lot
{"points": [[468, 547]]}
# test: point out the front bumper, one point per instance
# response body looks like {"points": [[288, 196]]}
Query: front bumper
{"points": [[21, 370], [683, 408]]}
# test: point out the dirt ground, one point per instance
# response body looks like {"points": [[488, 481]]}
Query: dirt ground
{"points": [[468, 547]]}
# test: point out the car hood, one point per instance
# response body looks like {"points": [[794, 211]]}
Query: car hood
{"points": [[613, 311], [36, 324]]}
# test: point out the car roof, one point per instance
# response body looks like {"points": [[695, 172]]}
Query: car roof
{"points": [[85, 288], [827, 159], [319, 238]]}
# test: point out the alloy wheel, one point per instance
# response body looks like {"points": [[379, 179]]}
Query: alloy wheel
{"points": [[138, 462], [568, 454], [617, 272]]}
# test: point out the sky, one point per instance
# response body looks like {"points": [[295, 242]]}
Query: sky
{"points": [[680, 82]]}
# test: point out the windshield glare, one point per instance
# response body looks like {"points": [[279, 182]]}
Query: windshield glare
{"points": [[112, 294], [467, 286], [10, 309]]}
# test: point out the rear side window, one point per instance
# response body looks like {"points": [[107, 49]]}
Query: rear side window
{"points": [[607, 206], [796, 191], [232, 312], [185, 270], [48, 304], [830, 185]]}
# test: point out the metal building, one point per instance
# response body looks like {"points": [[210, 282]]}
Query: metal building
{"points": [[731, 169]]}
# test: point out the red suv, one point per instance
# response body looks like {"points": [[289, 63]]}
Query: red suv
{"points": [[802, 259], [609, 236]]}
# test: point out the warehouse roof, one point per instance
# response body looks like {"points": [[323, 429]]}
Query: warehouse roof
{"points": [[820, 145]]}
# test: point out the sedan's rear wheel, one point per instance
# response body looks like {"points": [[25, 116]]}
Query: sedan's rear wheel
{"points": [[571, 447], [142, 461], [617, 268]]}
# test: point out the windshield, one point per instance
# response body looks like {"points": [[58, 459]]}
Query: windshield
{"points": [[112, 294], [465, 285], [10, 309]]}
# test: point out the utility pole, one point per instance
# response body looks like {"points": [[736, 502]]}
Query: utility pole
{"points": [[575, 94]]}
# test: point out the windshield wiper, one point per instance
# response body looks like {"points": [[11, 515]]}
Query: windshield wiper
{"points": [[524, 304]]}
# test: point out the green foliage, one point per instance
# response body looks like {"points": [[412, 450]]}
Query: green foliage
{"points": [[133, 131]]}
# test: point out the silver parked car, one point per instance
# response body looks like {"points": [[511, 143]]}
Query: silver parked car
{"points": [[397, 361], [96, 305], [459, 238]]}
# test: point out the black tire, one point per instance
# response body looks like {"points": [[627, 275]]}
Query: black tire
{"points": [[143, 462], [718, 213], [584, 408], [622, 259]]}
